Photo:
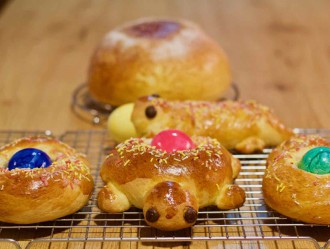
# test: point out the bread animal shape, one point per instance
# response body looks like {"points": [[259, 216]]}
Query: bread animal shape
{"points": [[170, 187], [157, 55], [42, 179], [242, 125], [297, 179]]}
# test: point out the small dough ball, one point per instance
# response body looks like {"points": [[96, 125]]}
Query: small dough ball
{"points": [[120, 126]]}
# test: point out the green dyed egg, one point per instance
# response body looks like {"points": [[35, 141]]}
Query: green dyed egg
{"points": [[316, 161]]}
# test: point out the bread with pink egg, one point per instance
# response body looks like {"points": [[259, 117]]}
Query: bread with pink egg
{"points": [[170, 178]]}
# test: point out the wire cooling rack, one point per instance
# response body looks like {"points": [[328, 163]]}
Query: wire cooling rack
{"points": [[251, 226]]}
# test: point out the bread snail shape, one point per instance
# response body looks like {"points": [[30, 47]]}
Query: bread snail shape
{"points": [[170, 185], [242, 125], [157, 55], [42, 179], [297, 179]]}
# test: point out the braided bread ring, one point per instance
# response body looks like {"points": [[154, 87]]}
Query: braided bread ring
{"points": [[41, 194], [294, 192]]}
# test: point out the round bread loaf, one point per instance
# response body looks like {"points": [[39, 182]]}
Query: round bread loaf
{"points": [[172, 58]]}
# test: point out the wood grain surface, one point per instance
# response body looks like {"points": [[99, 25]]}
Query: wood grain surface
{"points": [[279, 53]]}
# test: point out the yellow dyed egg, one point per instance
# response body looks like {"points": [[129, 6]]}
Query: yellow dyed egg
{"points": [[120, 126]]}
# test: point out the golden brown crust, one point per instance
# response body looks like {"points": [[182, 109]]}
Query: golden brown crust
{"points": [[41, 194], [173, 58], [242, 125], [189, 179], [294, 192]]}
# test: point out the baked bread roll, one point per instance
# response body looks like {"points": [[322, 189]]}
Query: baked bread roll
{"points": [[173, 58], [291, 190], [30, 195], [242, 125], [169, 187]]}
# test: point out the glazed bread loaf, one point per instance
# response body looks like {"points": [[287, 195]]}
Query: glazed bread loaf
{"points": [[172, 58], [41, 194], [169, 187], [292, 191]]}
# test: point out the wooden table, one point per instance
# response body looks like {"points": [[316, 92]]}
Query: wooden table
{"points": [[279, 53]]}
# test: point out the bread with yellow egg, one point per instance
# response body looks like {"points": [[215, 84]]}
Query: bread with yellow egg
{"points": [[242, 125]]}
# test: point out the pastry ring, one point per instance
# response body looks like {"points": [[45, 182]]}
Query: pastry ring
{"points": [[42, 179], [297, 179]]}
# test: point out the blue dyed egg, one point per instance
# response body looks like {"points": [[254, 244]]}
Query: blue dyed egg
{"points": [[316, 161], [29, 158]]}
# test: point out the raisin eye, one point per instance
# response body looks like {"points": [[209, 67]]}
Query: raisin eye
{"points": [[151, 112], [190, 215], [152, 215]]}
